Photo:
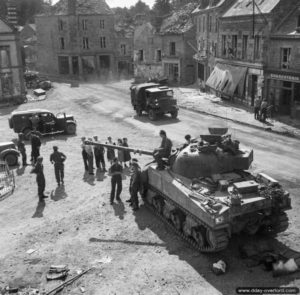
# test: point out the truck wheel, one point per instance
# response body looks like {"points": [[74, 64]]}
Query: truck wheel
{"points": [[11, 159], [174, 114], [152, 115], [71, 128], [139, 112], [26, 133]]}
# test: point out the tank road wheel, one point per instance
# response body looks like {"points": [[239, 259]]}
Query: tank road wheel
{"points": [[71, 128], [158, 203], [139, 111], [278, 223], [152, 115], [174, 114], [199, 235], [217, 240], [177, 218]]}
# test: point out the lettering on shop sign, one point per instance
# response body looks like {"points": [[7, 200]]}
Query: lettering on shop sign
{"points": [[285, 77]]}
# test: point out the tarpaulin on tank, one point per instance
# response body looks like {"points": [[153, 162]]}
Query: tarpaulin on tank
{"points": [[227, 79]]}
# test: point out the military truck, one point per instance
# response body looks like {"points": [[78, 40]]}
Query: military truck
{"points": [[206, 193], [21, 121], [153, 99]]}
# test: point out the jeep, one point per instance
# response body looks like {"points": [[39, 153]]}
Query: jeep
{"points": [[48, 123]]}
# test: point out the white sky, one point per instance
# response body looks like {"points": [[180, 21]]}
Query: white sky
{"points": [[122, 3]]}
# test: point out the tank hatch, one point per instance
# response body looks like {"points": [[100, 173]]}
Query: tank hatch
{"points": [[246, 187]]}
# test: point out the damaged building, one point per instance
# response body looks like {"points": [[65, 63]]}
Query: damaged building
{"points": [[77, 40], [242, 54], [166, 51]]}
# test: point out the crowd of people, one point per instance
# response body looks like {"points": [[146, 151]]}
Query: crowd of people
{"points": [[262, 110], [93, 153]]}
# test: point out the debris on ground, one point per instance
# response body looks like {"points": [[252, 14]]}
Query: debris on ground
{"points": [[30, 251], [103, 260], [219, 267], [57, 272], [66, 283]]}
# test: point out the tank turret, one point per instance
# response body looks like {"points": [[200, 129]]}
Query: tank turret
{"points": [[207, 194]]}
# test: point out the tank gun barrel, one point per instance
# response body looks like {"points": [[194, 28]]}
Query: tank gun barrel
{"points": [[117, 147]]}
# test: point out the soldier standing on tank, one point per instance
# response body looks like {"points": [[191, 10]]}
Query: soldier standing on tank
{"points": [[164, 151], [116, 180], [35, 146], [40, 177], [22, 149], [135, 184], [57, 158], [84, 154]]}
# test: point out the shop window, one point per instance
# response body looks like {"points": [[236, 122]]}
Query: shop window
{"points": [[6, 84], [123, 49], [62, 43], [102, 42], [85, 43], [245, 47], [285, 58], [63, 65], [232, 51], [172, 48]]}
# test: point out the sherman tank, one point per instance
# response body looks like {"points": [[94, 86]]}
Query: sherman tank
{"points": [[206, 193]]}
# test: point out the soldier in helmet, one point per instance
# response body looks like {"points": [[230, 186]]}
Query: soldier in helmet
{"points": [[40, 177], [116, 180], [135, 184], [164, 151]]}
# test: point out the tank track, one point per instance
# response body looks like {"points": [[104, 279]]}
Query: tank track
{"points": [[221, 235]]}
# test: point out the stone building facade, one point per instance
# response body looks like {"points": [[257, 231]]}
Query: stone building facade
{"points": [[77, 40], [282, 75], [206, 19], [244, 31], [28, 41], [12, 88]]}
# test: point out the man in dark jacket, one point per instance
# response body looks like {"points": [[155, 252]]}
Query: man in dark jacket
{"points": [[116, 180], [35, 146], [40, 178], [22, 149], [99, 155], [135, 184], [164, 151], [84, 154], [57, 158]]}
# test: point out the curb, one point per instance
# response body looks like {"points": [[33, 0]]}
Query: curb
{"points": [[287, 134]]}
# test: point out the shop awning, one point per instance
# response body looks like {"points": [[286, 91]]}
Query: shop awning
{"points": [[227, 79]]}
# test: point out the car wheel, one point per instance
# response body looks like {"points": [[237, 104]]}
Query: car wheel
{"points": [[174, 114], [11, 159], [152, 115], [71, 128], [27, 133]]}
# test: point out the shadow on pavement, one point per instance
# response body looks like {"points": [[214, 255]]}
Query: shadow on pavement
{"points": [[119, 209], [163, 120], [59, 193], [100, 175], [238, 273], [39, 209], [90, 179]]}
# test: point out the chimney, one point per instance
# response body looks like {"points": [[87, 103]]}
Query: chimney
{"points": [[12, 12], [71, 7]]}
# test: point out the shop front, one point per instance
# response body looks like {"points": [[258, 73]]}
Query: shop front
{"points": [[283, 91]]}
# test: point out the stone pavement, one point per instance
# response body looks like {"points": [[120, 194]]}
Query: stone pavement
{"points": [[192, 99]]}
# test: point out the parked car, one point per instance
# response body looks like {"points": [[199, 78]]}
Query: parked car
{"points": [[153, 99], [48, 123], [9, 153], [34, 81]]}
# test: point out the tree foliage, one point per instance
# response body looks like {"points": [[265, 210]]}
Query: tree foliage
{"points": [[162, 7]]}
